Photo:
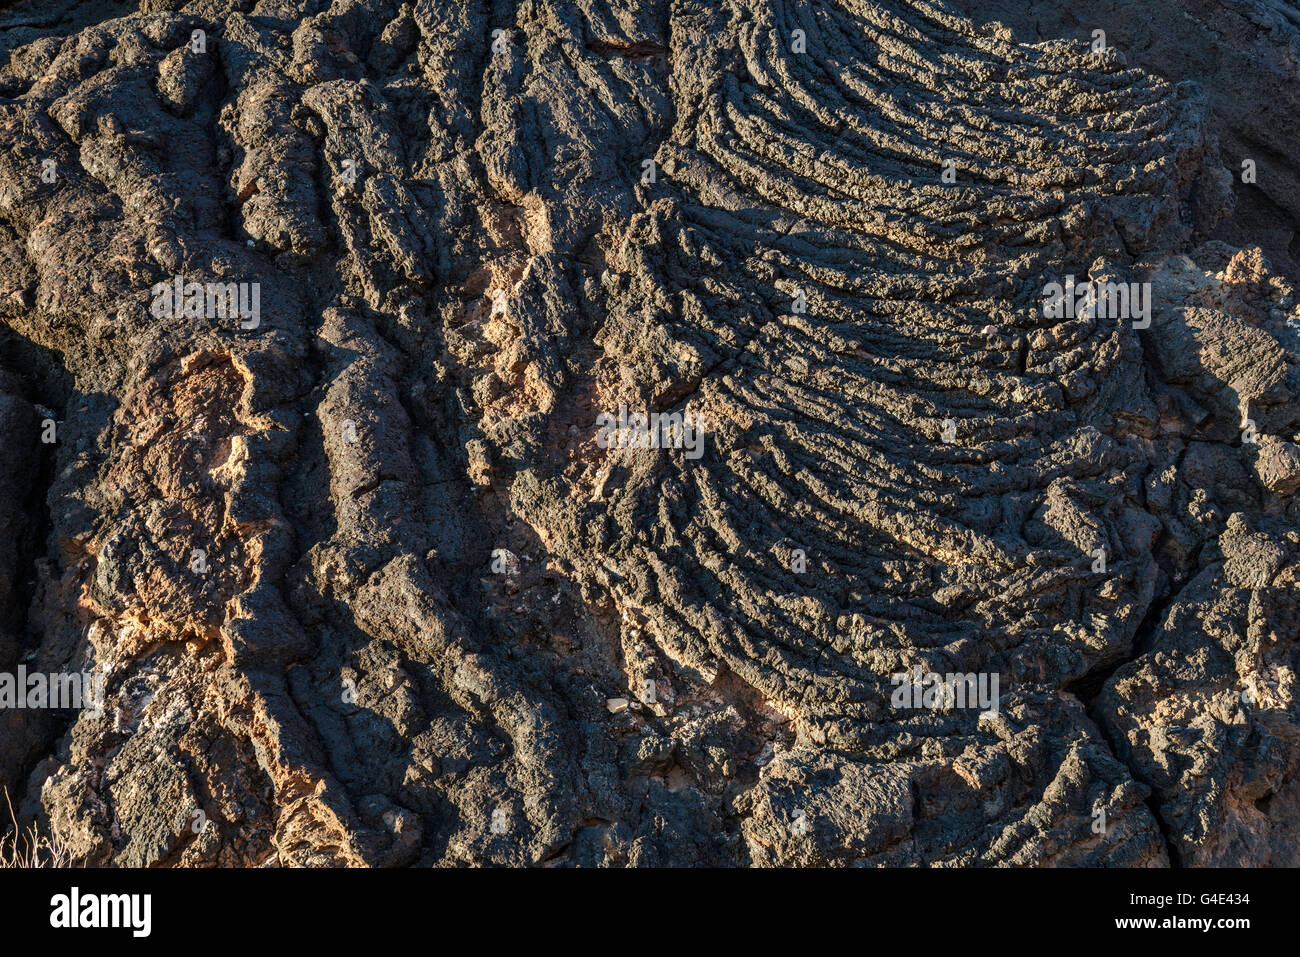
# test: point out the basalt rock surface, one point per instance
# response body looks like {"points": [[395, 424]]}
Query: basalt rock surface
{"points": [[365, 583]]}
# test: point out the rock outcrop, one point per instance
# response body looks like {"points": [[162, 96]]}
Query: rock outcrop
{"points": [[312, 313]]}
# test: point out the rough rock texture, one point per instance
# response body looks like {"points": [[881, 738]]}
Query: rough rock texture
{"points": [[367, 590], [1246, 56]]}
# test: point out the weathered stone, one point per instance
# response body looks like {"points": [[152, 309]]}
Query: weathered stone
{"points": [[369, 583]]}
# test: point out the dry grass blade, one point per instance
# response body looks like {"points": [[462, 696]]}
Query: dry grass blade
{"points": [[30, 848]]}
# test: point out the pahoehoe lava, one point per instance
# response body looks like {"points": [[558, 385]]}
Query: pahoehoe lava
{"points": [[365, 588]]}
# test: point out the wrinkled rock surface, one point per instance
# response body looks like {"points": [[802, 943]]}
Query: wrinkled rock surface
{"points": [[363, 585]]}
